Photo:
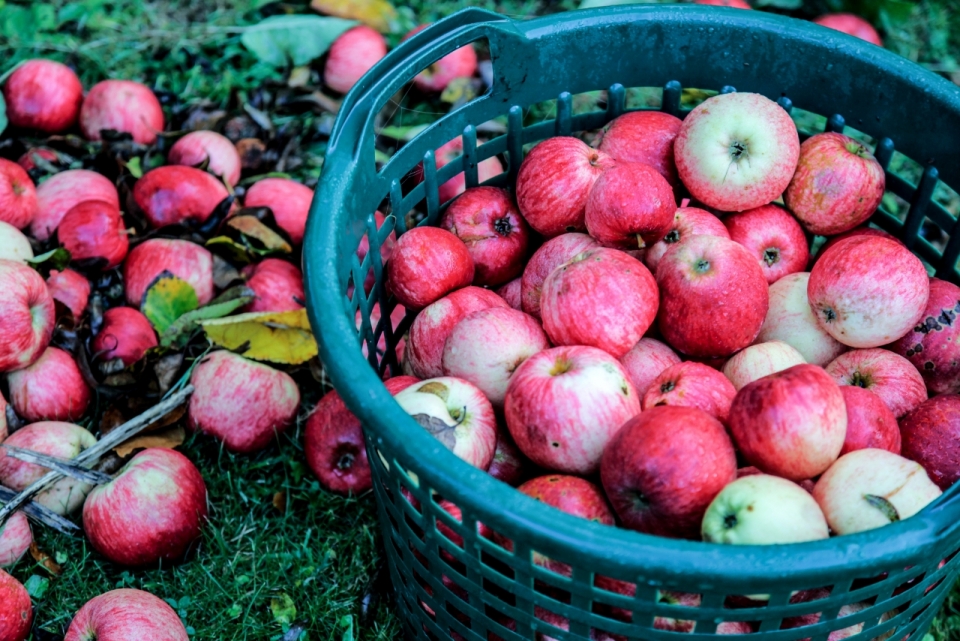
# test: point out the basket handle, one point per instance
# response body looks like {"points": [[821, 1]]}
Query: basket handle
{"points": [[944, 513]]}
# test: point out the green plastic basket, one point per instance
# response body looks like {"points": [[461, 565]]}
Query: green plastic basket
{"points": [[474, 589]]}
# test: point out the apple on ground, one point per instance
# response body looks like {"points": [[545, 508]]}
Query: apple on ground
{"points": [[870, 423], [460, 63], [664, 467], [791, 320], [124, 106], [713, 296], [214, 151], [185, 260], [94, 233], [71, 289], [645, 361], [278, 286], [759, 360], [26, 315], [549, 256], [427, 264], [737, 151], [564, 405], [511, 293], [126, 334], [791, 424], [176, 194], [931, 437], [18, 196], [16, 611], [351, 55], [13, 244], [124, 614], [33, 155], [50, 389], [687, 222], [53, 438], [452, 151], [851, 24], [44, 95], [691, 384], [868, 291], [243, 403], [601, 298], [933, 345], [643, 136], [774, 237], [15, 539], [871, 488], [887, 374], [630, 206], [289, 201], [61, 192]]}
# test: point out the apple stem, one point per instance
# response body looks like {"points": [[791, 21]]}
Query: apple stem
{"points": [[640, 242]]}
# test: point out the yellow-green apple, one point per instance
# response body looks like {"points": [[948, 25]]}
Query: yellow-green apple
{"points": [[713, 296], [120, 615], [486, 348], [602, 298], [630, 206], [124, 106], [16, 611], [71, 289], [351, 55], [509, 464], [737, 151], [930, 435], [427, 264], [870, 423], [460, 63], [495, 233], [774, 237], [210, 150], [432, 326], [790, 320], [61, 192], [13, 244], [554, 182], [933, 345], [50, 389], [93, 232], [289, 201], [549, 256], [868, 291], [278, 286], [53, 438], [759, 360], [26, 315], [791, 424], [511, 293], [15, 539], [44, 95], [851, 24], [870, 488], [564, 405], [643, 136], [687, 222], [175, 194], [888, 375], [692, 384], [837, 186], [243, 403], [664, 467], [18, 196], [125, 334], [457, 414], [645, 361], [761, 509], [185, 260], [452, 151], [152, 510], [30, 158]]}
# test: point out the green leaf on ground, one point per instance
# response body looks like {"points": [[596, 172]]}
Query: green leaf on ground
{"points": [[167, 299], [57, 258], [284, 610], [296, 40], [37, 586], [178, 333]]}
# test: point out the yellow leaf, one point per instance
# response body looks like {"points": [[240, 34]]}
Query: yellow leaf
{"points": [[167, 439], [278, 337], [250, 226], [378, 14]]}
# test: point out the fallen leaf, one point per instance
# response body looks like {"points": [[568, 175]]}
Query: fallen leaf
{"points": [[378, 14], [252, 227], [296, 39], [235, 251], [57, 259], [459, 92], [44, 559], [299, 77], [167, 439], [167, 299], [346, 623], [280, 502], [36, 586], [166, 370], [446, 434], [283, 608], [179, 332], [278, 337], [112, 418]]}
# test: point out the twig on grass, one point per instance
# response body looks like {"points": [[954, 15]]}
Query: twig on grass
{"points": [[41, 514]]}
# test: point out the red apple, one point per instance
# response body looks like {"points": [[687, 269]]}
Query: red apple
{"points": [[26, 315], [277, 284], [601, 298], [931, 436], [15, 539], [152, 510], [30, 158], [759, 360], [850, 24], [175, 194], [644, 136], [933, 345], [185, 260], [774, 237], [62, 440], [509, 464], [561, 622], [13, 244], [862, 230], [645, 361], [687, 222], [16, 611], [868, 291], [427, 264], [713, 296], [511, 293], [352, 55], [432, 327], [790, 320], [3, 418], [71, 289], [93, 231], [124, 106], [51, 389], [289, 201], [870, 423], [554, 182], [240, 402], [461, 63], [564, 405], [854, 629], [452, 151], [791, 424], [630, 206], [386, 249], [888, 375], [549, 256], [44, 95], [61, 192], [496, 236], [734, 4], [209, 149], [121, 615], [18, 196], [125, 334], [737, 151], [692, 384]]}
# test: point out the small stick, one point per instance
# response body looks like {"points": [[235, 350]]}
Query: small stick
{"points": [[41, 514], [64, 466]]}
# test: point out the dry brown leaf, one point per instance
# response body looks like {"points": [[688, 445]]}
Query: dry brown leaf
{"points": [[112, 418], [250, 226], [280, 502], [379, 14], [44, 559], [167, 439]]}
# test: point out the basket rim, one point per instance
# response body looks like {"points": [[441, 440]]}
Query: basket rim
{"points": [[480, 496]]}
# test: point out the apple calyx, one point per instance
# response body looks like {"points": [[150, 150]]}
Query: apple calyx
{"points": [[673, 236], [666, 387], [771, 256], [345, 462], [860, 379], [739, 150], [503, 226], [561, 366], [701, 266]]}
